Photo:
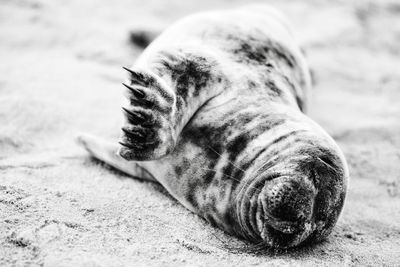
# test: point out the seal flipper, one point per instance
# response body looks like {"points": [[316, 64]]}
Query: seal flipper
{"points": [[159, 107], [147, 133], [107, 152]]}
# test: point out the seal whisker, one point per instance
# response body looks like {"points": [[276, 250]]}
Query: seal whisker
{"points": [[257, 247], [326, 164], [227, 160], [249, 181], [262, 166], [226, 175], [218, 171]]}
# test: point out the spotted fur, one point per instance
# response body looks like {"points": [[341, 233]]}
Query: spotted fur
{"points": [[215, 116]]}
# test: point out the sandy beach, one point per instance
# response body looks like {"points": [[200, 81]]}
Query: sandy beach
{"points": [[60, 65]]}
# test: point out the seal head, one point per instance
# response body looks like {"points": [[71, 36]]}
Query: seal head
{"points": [[290, 202]]}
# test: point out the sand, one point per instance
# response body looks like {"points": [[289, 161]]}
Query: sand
{"points": [[60, 75]]}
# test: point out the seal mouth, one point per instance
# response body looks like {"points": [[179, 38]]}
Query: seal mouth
{"points": [[287, 227], [279, 233], [279, 238]]}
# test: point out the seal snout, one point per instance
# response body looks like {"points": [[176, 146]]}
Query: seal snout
{"points": [[286, 207]]}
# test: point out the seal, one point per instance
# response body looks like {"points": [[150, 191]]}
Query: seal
{"points": [[215, 113]]}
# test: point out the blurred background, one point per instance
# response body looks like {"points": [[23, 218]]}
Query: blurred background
{"points": [[60, 65]]}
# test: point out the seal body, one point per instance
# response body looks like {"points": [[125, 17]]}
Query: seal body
{"points": [[214, 113]]}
